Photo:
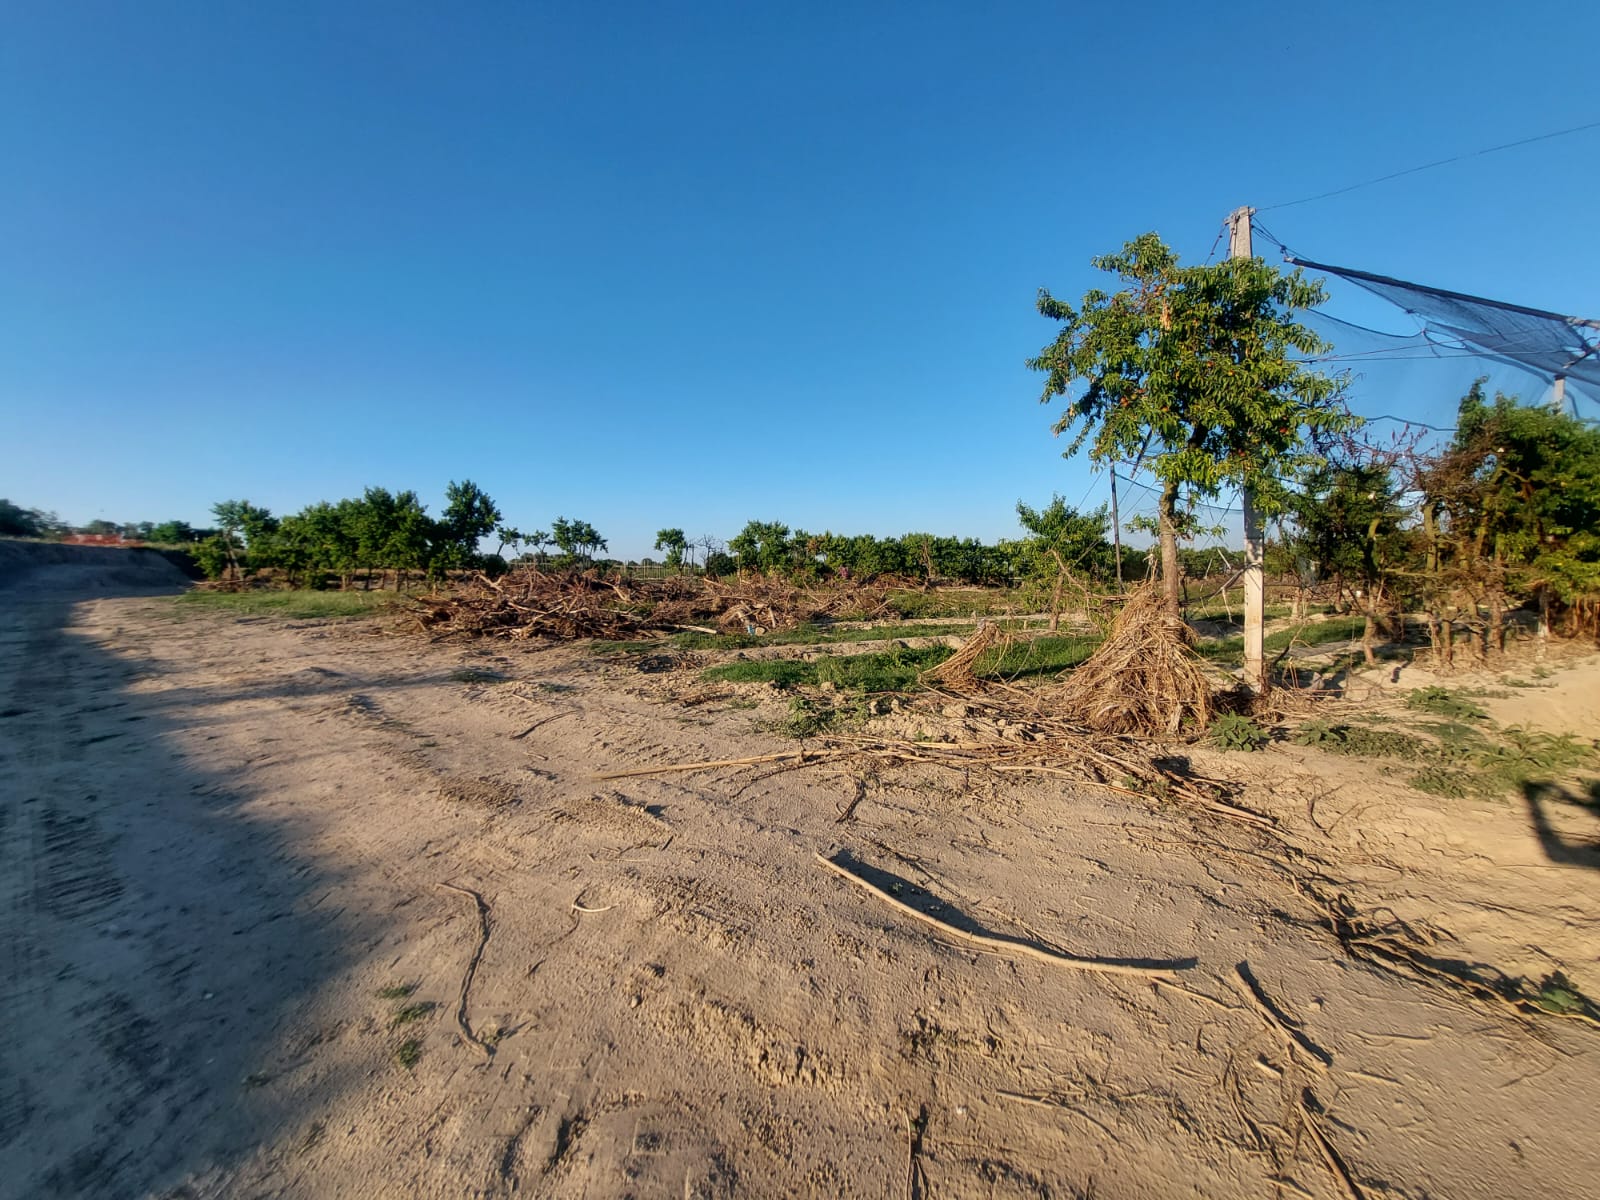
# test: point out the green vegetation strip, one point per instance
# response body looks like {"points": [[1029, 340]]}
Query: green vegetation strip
{"points": [[294, 605], [800, 635], [1340, 629], [898, 670]]}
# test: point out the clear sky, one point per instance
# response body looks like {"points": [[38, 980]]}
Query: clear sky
{"points": [[690, 264]]}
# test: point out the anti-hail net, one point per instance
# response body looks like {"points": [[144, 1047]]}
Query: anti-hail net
{"points": [[1531, 342]]}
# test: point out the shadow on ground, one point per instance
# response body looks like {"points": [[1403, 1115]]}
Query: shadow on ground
{"points": [[157, 941]]}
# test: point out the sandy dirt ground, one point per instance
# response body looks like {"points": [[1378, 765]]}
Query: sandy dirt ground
{"points": [[228, 846]]}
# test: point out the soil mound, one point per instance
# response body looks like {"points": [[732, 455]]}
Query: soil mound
{"points": [[40, 569]]}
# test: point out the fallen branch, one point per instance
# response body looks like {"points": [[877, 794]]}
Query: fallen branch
{"points": [[1336, 1164], [1000, 945], [1293, 1038], [484, 1047]]}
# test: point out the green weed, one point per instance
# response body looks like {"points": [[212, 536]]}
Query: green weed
{"points": [[1444, 781], [1234, 731], [808, 718], [888, 671], [1358, 741], [1559, 995], [410, 1013], [408, 1053], [396, 991], [478, 675]]}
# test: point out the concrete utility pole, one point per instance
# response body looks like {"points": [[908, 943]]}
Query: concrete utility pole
{"points": [[1255, 662], [1116, 528]]}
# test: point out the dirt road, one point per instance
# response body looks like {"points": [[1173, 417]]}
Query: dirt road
{"points": [[241, 864]]}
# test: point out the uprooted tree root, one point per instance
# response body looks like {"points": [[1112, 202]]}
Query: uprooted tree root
{"points": [[566, 605], [1144, 680]]}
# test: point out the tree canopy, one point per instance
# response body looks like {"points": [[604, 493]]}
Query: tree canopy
{"points": [[1192, 374]]}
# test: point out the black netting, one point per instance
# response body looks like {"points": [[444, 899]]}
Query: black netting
{"points": [[1543, 344]]}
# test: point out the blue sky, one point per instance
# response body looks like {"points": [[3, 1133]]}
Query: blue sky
{"points": [[653, 264]]}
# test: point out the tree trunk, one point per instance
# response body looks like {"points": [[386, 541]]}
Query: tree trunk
{"points": [[1171, 585], [1544, 621], [1497, 622]]}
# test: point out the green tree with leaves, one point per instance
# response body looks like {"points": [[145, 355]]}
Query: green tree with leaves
{"points": [[469, 516], [675, 544], [761, 546], [577, 540], [1348, 521], [16, 521], [1512, 508], [244, 534], [1191, 373]]}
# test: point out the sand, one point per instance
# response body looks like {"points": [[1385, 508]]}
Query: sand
{"points": [[228, 845]]}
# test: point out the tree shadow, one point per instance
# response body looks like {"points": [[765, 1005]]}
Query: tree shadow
{"points": [[163, 935], [1538, 794]]}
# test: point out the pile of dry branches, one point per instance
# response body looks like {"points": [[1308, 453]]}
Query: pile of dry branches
{"points": [[1144, 679], [564, 605]]}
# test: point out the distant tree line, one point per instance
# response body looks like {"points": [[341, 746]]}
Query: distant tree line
{"points": [[382, 531], [1059, 539]]}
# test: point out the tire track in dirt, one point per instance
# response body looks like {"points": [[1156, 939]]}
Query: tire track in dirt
{"points": [[58, 862]]}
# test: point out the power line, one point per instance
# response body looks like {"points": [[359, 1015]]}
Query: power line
{"points": [[1542, 137]]}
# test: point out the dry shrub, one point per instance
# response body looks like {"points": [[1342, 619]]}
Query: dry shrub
{"points": [[1145, 679], [955, 673]]}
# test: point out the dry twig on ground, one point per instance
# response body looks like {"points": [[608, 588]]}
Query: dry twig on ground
{"points": [[482, 907], [994, 945]]}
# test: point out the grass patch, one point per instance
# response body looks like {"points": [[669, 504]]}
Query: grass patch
{"points": [[1046, 655], [478, 675], [887, 671], [800, 635], [1442, 702], [408, 1053], [396, 991], [1231, 649], [411, 1013], [898, 669], [291, 605]]}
